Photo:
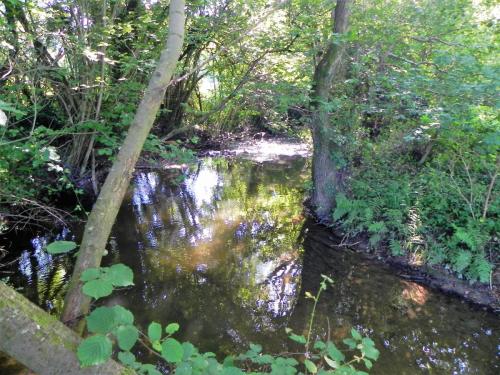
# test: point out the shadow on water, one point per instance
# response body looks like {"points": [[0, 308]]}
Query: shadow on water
{"points": [[228, 255]]}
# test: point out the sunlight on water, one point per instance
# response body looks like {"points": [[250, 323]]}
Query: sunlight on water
{"points": [[269, 150], [228, 254]]}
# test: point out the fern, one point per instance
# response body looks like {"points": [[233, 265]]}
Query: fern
{"points": [[395, 247], [480, 269], [342, 208], [461, 260], [436, 255], [377, 227], [464, 236]]}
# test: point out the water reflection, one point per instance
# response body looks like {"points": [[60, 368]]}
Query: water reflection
{"points": [[218, 253], [228, 255], [418, 330], [40, 276]]}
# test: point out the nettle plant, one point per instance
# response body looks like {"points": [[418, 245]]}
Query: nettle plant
{"points": [[113, 329]]}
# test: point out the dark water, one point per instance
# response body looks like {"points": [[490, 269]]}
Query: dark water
{"points": [[228, 255]]}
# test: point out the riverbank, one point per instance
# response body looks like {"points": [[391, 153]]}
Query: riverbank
{"points": [[434, 276], [259, 148]]}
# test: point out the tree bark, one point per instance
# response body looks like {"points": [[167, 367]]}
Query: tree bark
{"points": [[106, 208], [39, 341], [327, 177]]}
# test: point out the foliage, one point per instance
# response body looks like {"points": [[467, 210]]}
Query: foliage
{"points": [[60, 247], [116, 324], [422, 147], [421, 215], [99, 282]]}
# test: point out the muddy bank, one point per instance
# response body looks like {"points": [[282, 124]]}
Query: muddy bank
{"points": [[436, 276]]}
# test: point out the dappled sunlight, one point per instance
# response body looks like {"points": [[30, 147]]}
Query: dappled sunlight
{"points": [[415, 293]]}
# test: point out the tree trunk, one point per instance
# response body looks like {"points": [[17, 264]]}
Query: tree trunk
{"points": [[106, 208], [39, 341], [327, 176]]}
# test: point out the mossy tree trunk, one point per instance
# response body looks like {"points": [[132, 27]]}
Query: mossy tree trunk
{"points": [[327, 176], [39, 341], [103, 215]]}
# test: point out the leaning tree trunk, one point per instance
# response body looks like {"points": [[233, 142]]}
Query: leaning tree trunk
{"points": [[327, 176], [106, 208], [40, 342]]}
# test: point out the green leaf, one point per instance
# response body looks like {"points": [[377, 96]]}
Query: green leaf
{"points": [[367, 342], [369, 349], [172, 328], [154, 331], [255, 348], [319, 345], [331, 362], [334, 352], [127, 358], [184, 368], [350, 343], [97, 288], [122, 315], [127, 336], [60, 247], [157, 346], [104, 319], [368, 363], [310, 366], [90, 274], [101, 320], [120, 275], [232, 371], [355, 335], [172, 350], [149, 369], [300, 339], [94, 350], [189, 350]]}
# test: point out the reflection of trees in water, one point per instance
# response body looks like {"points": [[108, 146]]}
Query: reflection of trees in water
{"points": [[217, 253], [41, 276], [415, 329]]}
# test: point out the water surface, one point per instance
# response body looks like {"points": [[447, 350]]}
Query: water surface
{"points": [[228, 255]]}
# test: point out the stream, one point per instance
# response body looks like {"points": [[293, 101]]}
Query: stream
{"points": [[227, 254]]}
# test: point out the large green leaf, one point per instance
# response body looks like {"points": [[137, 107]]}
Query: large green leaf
{"points": [[120, 275], [101, 320], [127, 336], [61, 247], [122, 315], [90, 274], [172, 350], [97, 288], [94, 350], [154, 331], [334, 352], [105, 319]]}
